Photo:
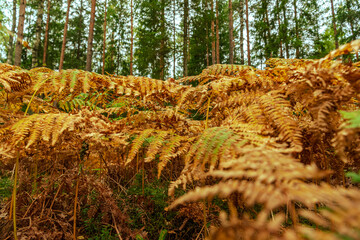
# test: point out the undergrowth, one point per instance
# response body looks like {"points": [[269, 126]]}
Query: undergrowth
{"points": [[234, 151]]}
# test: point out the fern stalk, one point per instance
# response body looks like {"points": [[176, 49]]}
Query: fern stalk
{"points": [[14, 197], [76, 196]]}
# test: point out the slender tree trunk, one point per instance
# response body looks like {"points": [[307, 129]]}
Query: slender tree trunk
{"points": [[20, 33], [241, 13], [104, 42], [297, 50], [36, 47], [91, 37], [11, 38], [64, 37], [217, 33], [285, 33], [213, 48], [231, 33], [247, 32], [334, 24], [46, 32], [186, 15], [132, 37], [279, 28], [162, 43], [174, 38]]}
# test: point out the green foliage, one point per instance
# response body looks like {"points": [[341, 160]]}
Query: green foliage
{"points": [[148, 210], [353, 117], [6, 185], [354, 176]]}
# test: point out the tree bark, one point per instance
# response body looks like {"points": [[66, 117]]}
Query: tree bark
{"points": [[104, 41], [174, 38], [20, 33], [217, 33], [279, 28], [247, 32], [297, 50], [334, 24], [231, 34], [162, 43], [91, 37], [213, 43], [132, 37], [11, 38], [185, 53], [64, 37], [46, 33], [241, 13], [36, 47]]}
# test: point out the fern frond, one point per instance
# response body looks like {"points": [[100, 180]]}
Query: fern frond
{"points": [[14, 79], [168, 152], [155, 145], [137, 144]]}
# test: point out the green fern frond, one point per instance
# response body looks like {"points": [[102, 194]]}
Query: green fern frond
{"points": [[137, 144], [155, 145]]}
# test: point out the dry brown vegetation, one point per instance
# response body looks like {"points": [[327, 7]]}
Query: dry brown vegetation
{"points": [[270, 143]]}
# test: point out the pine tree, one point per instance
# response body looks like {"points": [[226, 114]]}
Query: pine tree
{"points": [[248, 32], [104, 40], [334, 24], [185, 40], [36, 47], [20, 33], [231, 34], [91, 37], [132, 38]]}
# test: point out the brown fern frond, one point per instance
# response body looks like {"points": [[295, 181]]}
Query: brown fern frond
{"points": [[14, 79]]}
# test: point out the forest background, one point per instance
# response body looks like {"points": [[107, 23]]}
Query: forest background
{"points": [[175, 38]]}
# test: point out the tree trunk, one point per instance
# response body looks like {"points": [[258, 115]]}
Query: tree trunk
{"points": [[241, 13], [334, 25], [132, 37], [247, 32], [185, 53], [213, 49], [104, 42], [20, 33], [91, 37], [231, 34], [11, 38], [174, 38], [297, 50], [36, 47], [162, 43], [64, 37], [279, 28], [217, 34], [46, 32]]}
